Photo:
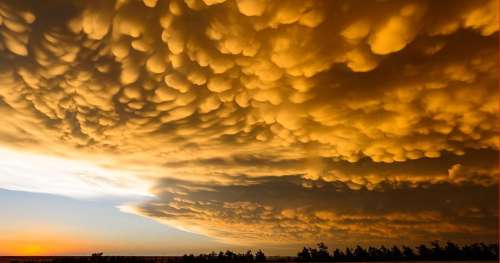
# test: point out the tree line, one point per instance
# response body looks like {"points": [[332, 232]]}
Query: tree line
{"points": [[436, 251], [320, 253], [228, 256]]}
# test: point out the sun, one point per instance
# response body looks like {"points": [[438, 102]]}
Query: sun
{"points": [[31, 249]]}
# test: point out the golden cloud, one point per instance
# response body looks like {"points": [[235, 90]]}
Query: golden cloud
{"points": [[279, 210], [352, 92]]}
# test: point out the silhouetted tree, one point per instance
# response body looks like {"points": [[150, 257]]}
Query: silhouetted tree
{"points": [[220, 257], [259, 256], [374, 252], [338, 254], [485, 251], [451, 250], [396, 252], [424, 251], [322, 253], [249, 256], [436, 250], [360, 252], [408, 252], [314, 254], [229, 255], [494, 249], [348, 253], [304, 255], [385, 253]]}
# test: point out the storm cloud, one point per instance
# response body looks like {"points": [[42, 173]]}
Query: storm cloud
{"points": [[292, 210], [376, 101]]}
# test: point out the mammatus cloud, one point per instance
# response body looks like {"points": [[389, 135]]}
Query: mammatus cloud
{"points": [[353, 93], [280, 210]]}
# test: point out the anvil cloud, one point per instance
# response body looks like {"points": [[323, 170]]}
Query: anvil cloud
{"points": [[231, 109]]}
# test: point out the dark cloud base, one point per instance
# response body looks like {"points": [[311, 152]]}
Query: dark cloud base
{"points": [[295, 210]]}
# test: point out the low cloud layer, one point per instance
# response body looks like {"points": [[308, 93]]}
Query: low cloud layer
{"points": [[354, 94], [280, 210]]}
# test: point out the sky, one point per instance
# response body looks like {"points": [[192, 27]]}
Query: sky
{"points": [[164, 127]]}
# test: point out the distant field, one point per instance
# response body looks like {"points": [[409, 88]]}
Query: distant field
{"points": [[62, 259]]}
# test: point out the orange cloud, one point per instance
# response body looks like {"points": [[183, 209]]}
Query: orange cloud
{"points": [[212, 91], [283, 211]]}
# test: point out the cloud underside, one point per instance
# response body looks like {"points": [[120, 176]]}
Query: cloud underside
{"points": [[280, 210], [355, 102]]}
